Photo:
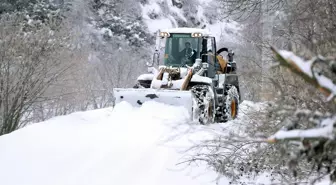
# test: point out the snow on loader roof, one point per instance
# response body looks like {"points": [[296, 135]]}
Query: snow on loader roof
{"points": [[204, 32]]}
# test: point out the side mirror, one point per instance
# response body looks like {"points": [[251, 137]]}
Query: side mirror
{"points": [[155, 60], [230, 55]]}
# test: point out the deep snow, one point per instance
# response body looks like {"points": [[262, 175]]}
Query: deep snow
{"points": [[120, 146], [124, 146]]}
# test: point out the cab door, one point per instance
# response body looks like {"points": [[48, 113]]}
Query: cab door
{"points": [[212, 60]]}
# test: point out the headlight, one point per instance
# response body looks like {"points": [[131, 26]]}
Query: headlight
{"points": [[164, 34], [196, 34]]}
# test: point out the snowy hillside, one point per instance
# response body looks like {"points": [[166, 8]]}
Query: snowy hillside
{"points": [[160, 14], [137, 22], [124, 146]]}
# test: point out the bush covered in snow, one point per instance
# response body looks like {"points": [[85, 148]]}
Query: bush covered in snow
{"points": [[31, 63], [308, 137], [283, 141]]}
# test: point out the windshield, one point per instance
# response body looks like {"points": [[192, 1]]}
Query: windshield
{"points": [[180, 49]]}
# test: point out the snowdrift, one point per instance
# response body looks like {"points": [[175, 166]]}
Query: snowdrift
{"points": [[124, 146]]}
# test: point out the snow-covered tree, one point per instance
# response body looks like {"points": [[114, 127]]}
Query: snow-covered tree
{"points": [[121, 19], [15, 5], [37, 12]]}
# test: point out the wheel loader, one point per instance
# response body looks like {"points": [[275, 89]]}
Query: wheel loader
{"points": [[187, 70]]}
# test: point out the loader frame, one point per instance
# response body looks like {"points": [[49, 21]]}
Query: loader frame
{"points": [[215, 91]]}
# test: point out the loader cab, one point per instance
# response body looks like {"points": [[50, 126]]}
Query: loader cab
{"points": [[172, 50], [179, 49]]}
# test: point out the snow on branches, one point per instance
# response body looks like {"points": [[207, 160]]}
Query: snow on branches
{"points": [[319, 71], [324, 78], [307, 134]]}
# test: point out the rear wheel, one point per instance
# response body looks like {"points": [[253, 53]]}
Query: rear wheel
{"points": [[204, 105], [231, 104]]}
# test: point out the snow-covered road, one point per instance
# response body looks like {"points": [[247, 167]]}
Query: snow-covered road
{"points": [[124, 146]]}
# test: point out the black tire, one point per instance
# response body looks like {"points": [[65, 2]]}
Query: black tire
{"points": [[204, 109], [231, 106]]}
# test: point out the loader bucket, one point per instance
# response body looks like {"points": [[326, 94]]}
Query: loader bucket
{"points": [[136, 97]]}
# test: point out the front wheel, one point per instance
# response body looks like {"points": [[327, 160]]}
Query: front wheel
{"points": [[231, 104], [204, 105]]}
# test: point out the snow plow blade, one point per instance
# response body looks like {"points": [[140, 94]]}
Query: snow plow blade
{"points": [[136, 97]]}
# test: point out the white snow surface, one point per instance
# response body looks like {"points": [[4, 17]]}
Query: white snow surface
{"points": [[122, 146]]}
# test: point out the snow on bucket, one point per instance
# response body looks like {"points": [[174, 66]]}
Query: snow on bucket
{"points": [[137, 97]]}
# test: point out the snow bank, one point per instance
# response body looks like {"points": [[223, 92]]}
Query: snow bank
{"points": [[127, 145]]}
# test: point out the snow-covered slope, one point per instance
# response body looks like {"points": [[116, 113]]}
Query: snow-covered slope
{"points": [[160, 14], [124, 146]]}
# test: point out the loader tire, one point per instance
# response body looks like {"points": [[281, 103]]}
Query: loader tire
{"points": [[231, 104], [204, 104]]}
